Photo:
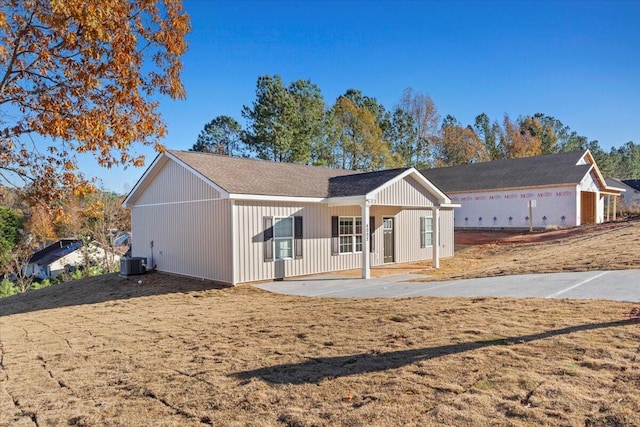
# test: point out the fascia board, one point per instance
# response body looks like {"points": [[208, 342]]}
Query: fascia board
{"points": [[594, 168], [346, 201], [268, 198], [144, 179]]}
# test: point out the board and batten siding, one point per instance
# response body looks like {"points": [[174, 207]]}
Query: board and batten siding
{"points": [[174, 183], [407, 235], [317, 251], [447, 217], [316, 241], [191, 239], [405, 192], [189, 225]]}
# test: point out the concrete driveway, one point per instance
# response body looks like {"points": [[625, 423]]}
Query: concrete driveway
{"points": [[619, 285]]}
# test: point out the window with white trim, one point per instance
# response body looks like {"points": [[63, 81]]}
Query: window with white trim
{"points": [[426, 232], [350, 234], [283, 237]]}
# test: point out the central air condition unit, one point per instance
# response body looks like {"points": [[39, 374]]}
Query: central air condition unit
{"points": [[130, 266]]}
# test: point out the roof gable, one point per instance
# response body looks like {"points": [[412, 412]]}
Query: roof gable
{"points": [[174, 182]]}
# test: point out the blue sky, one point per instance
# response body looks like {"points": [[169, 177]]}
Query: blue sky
{"points": [[578, 61]]}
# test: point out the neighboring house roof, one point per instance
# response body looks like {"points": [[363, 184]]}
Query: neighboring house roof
{"points": [[237, 175], [535, 171], [633, 183], [614, 182], [55, 251]]}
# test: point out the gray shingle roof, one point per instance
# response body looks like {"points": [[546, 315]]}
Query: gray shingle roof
{"points": [[550, 169], [55, 251], [259, 177], [361, 183], [633, 183]]}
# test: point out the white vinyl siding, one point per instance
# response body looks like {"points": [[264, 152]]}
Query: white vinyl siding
{"points": [[405, 192], [446, 233], [192, 239], [175, 184], [316, 244], [250, 265]]}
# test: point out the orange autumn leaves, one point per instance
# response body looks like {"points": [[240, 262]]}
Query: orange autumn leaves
{"points": [[82, 75]]}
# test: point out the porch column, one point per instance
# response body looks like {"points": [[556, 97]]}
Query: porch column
{"points": [[436, 237], [366, 244], [615, 200]]}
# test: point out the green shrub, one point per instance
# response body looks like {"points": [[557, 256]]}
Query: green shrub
{"points": [[7, 288], [39, 285]]}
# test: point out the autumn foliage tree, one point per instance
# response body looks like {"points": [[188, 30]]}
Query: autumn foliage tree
{"points": [[458, 145], [80, 76], [518, 142]]}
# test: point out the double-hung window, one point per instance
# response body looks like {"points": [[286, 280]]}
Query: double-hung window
{"points": [[283, 237], [426, 232], [350, 234]]}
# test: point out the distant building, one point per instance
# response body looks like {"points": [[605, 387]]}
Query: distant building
{"points": [[66, 255], [633, 198], [564, 190]]}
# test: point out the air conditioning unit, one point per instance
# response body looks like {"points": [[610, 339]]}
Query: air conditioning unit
{"points": [[130, 266]]}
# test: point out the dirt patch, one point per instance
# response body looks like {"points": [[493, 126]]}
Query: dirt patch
{"points": [[176, 351], [480, 237], [612, 246]]}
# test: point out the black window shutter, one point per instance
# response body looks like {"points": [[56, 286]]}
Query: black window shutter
{"points": [[423, 220], [297, 233], [268, 238], [335, 236], [372, 230]]}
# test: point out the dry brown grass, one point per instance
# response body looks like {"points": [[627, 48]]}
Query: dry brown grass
{"points": [[614, 246], [176, 351]]}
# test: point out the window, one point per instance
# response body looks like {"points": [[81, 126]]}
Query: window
{"points": [[350, 234], [283, 237], [426, 232]]}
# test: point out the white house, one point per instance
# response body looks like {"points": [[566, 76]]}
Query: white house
{"points": [[238, 220], [66, 254], [631, 196], [565, 190]]}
